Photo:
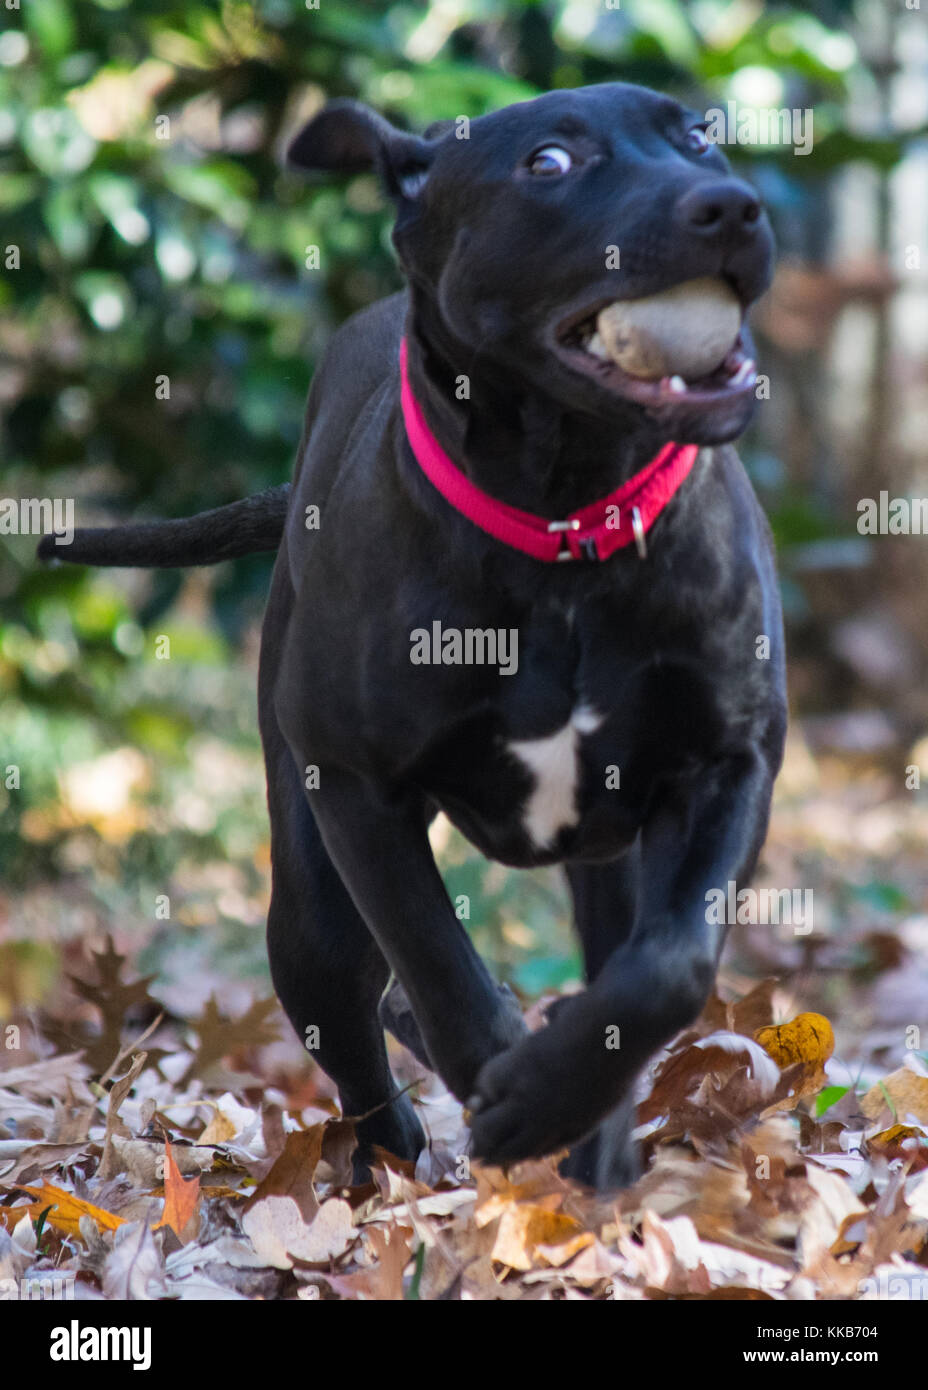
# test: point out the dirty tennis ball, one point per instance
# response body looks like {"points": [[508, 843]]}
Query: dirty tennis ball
{"points": [[686, 331]]}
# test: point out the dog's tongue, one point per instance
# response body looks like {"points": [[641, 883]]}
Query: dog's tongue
{"points": [[686, 331]]}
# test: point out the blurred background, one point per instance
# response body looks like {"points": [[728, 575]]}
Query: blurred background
{"points": [[138, 255]]}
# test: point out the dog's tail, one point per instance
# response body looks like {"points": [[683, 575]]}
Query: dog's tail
{"points": [[241, 528]]}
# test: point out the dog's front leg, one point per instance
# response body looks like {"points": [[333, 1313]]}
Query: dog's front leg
{"points": [[557, 1085], [379, 844]]}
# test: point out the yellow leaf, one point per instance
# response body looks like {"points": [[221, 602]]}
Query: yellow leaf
{"points": [[890, 1140], [558, 1255], [67, 1210], [808, 1038], [524, 1226], [218, 1131]]}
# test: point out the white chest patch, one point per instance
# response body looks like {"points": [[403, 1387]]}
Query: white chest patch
{"points": [[553, 762]]}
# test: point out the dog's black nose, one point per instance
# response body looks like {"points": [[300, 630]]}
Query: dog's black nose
{"points": [[719, 210]]}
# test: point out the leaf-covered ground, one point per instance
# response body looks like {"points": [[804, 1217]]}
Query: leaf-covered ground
{"points": [[175, 1142]]}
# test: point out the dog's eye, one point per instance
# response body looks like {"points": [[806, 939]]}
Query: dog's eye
{"points": [[551, 160], [698, 139]]}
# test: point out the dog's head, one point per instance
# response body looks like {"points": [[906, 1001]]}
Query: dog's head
{"points": [[518, 228]]}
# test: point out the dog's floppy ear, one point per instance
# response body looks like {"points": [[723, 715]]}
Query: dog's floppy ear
{"points": [[347, 137]]}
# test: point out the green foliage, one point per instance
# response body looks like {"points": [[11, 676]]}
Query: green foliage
{"points": [[827, 1098], [143, 258]]}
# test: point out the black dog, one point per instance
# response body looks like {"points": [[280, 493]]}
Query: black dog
{"points": [[636, 737]]}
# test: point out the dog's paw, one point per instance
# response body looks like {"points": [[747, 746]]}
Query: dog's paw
{"points": [[525, 1104], [394, 1127]]}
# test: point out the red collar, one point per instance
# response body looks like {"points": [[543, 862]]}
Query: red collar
{"points": [[591, 533]]}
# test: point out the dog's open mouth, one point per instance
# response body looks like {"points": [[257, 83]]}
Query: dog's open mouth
{"points": [[681, 347]]}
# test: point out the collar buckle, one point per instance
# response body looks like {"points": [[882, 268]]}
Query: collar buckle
{"points": [[638, 532], [560, 526]]}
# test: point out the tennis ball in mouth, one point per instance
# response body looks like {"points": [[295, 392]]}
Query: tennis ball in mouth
{"points": [[685, 331]]}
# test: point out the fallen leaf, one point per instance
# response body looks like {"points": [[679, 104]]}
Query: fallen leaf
{"points": [[539, 1182], [524, 1226], [133, 1269], [219, 1130], [384, 1281], [746, 1016], [559, 1253], [67, 1210], [115, 998], [291, 1174], [908, 1093], [668, 1257], [142, 1160], [720, 1054], [900, 1141], [180, 1200], [594, 1264], [826, 1214], [218, 1036], [109, 1162], [339, 1142], [280, 1235]]}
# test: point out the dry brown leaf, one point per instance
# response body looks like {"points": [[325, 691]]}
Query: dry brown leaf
{"points": [[901, 1141], [820, 1138], [180, 1200], [830, 1203], [37, 1159], [668, 1257], [720, 1054], [218, 1036], [11, 1216], [746, 1016], [339, 1142], [142, 1160], [907, 1092], [109, 1162], [384, 1280], [448, 1262], [114, 997], [291, 1174]]}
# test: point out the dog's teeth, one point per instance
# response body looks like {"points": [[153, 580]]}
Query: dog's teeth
{"points": [[677, 384], [597, 347], [745, 373]]}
